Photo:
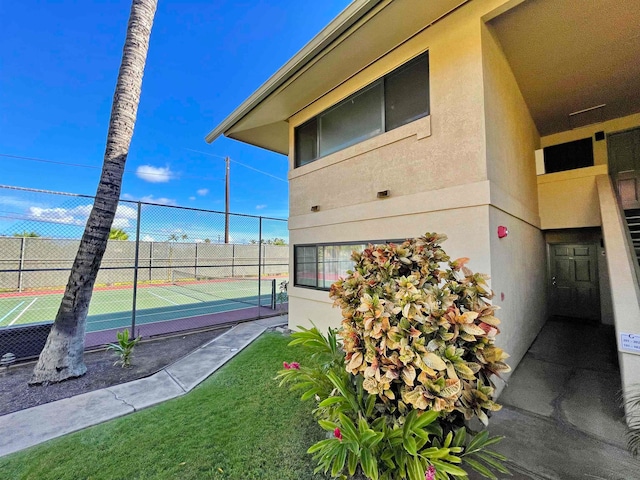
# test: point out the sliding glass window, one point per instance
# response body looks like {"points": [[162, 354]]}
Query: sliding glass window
{"points": [[318, 266], [396, 99]]}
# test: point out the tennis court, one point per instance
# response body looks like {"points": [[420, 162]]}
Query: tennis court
{"points": [[111, 308]]}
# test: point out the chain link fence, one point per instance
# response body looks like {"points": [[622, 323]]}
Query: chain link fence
{"points": [[166, 269]]}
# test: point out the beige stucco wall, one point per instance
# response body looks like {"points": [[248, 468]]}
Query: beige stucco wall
{"points": [[467, 229], [570, 199], [518, 261], [518, 273], [476, 149], [511, 135], [445, 149]]}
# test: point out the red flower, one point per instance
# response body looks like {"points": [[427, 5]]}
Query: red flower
{"points": [[430, 474], [294, 365], [338, 434], [286, 366]]}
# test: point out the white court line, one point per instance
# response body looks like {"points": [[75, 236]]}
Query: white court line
{"points": [[11, 311], [22, 312], [165, 299]]}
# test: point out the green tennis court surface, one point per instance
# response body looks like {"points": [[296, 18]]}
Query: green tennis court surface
{"points": [[111, 308]]}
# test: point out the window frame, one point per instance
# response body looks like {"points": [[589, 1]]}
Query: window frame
{"points": [[382, 81], [317, 263]]}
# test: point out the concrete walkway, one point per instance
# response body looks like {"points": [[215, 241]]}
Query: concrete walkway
{"points": [[35, 425], [561, 417]]}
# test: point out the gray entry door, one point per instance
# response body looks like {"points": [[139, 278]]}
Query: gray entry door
{"points": [[624, 165], [574, 281]]}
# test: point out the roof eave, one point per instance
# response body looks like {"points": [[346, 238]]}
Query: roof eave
{"points": [[339, 25]]}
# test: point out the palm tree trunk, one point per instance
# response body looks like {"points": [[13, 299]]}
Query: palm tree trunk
{"points": [[63, 354]]}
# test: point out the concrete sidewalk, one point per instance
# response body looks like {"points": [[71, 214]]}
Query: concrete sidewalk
{"points": [[32, 426]]}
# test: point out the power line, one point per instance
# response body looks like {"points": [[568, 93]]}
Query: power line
{"points": [[241, 164], [81, 165]]}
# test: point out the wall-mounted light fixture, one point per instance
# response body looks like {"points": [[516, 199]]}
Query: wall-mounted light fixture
{"points": [[383, 193], [315, 208], [502, 231]]}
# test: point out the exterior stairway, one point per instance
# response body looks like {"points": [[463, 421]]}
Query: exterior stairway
{"points": [[633, 223]]}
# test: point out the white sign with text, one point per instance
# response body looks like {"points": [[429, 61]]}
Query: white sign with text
{"points": [[630, 341]]}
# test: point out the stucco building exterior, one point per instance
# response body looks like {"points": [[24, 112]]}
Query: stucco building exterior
{"points": [[460, 117]]}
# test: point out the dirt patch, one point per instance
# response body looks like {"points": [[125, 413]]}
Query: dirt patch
{"points": [[148, 358]]}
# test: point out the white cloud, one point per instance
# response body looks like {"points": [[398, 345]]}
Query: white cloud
{"points": [[125, 211], [160, 200], [152, 174], [78, 215], [202, 192], [192, 198], [260, 207], [150, 199], [148, 238]]}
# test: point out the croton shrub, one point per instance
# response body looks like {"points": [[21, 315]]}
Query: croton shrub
{"points": [[413, 365]]}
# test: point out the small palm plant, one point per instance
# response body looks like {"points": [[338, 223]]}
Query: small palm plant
{"points": [[123, 348], [632, 404]]}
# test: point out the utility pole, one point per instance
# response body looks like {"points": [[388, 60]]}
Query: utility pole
{"points": [[226, 202]]}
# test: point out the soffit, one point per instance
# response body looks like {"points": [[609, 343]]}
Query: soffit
{"points": [[380, 30], [572, 55]]}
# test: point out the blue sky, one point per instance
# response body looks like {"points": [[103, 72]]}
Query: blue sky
{"points": [[58, 66]]}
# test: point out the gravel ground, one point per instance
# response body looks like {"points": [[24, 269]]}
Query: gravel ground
{"points": [[148, 358]]}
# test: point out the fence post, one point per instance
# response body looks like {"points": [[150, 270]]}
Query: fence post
{"points": [[135, 274], [259, 262], [21, 267], [233, 259], [195, 263], [274, 302], [150, 261]]}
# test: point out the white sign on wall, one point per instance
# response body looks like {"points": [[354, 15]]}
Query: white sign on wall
{"points": [[630, 341]]}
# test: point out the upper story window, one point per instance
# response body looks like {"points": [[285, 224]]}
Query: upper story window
{"points": [[396, 99], [568, 156]]}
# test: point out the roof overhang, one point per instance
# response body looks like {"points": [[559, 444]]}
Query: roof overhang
{"points": [[353, 40]]}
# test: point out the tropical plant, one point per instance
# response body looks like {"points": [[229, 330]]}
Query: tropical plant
{"points": [[118, 234], [63, 354], [25, 234], [414, 365], [632, 409], [123, 348]]}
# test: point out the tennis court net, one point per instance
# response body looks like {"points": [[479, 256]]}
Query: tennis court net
{"points": [[247, 290]]}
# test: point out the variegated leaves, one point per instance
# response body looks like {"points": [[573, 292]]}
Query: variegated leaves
{"points": [[422, 336]]}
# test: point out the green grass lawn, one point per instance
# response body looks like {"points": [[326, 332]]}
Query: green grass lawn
{"points": [[237, 425]]}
